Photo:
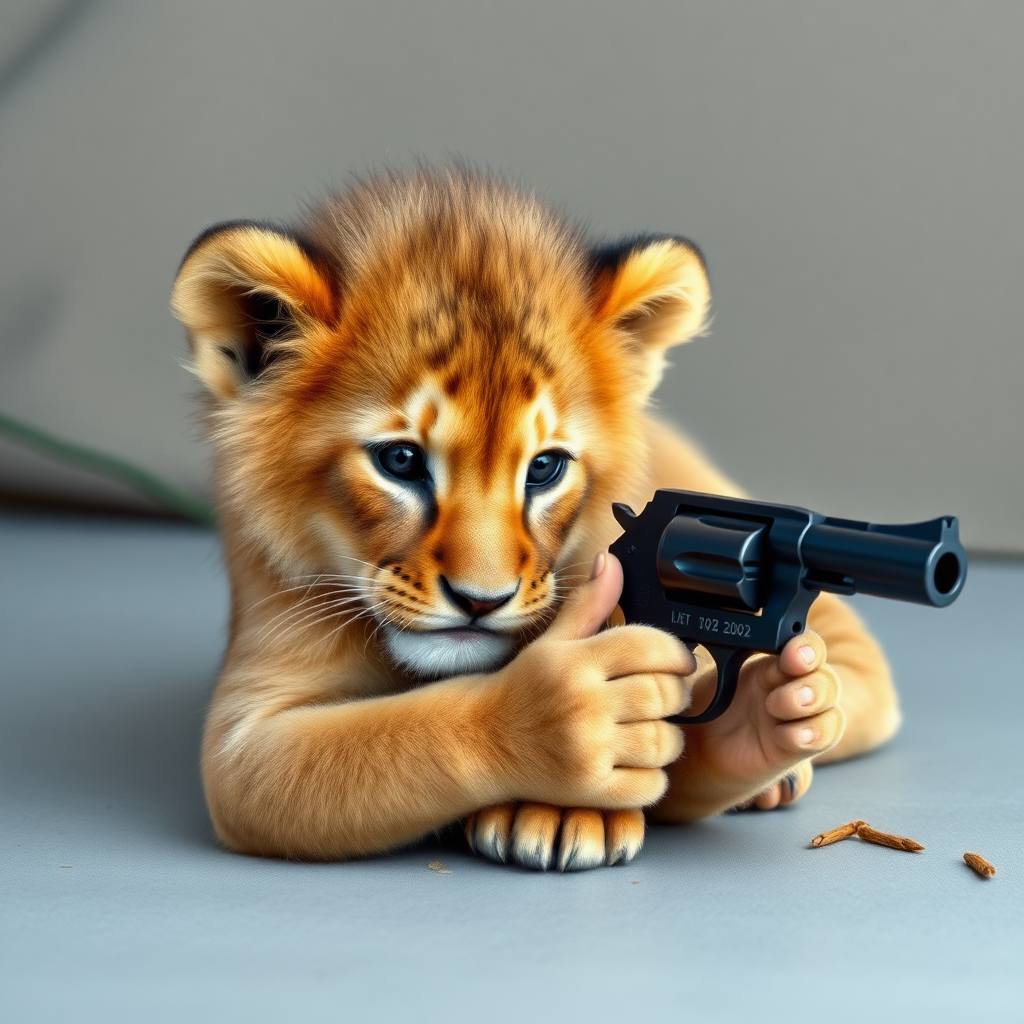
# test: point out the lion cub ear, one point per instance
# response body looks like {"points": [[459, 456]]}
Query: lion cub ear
{"points": [[245, 293], [654, 290]]}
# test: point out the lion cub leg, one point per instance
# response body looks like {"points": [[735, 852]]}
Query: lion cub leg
{"points": [[541, 837]]}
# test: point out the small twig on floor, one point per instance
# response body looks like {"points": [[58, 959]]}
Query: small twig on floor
{"points": [[835, 834], [872, 835], [979, 865], [864, 831]]}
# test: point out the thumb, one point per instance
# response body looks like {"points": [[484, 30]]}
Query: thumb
{"points": [[587, 608]]}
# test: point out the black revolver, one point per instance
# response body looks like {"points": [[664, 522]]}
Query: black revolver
{"points": [[739, 576]]}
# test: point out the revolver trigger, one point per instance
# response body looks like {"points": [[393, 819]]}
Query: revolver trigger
{"points": [[728, 661]]}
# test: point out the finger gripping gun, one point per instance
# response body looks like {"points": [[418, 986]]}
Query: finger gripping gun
{"points": [[739, 576]]}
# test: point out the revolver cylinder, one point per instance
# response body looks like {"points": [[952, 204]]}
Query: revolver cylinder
{"points": [[713, 555]]}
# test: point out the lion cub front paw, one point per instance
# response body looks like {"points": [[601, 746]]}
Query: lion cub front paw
{"points": [[541, 837]]}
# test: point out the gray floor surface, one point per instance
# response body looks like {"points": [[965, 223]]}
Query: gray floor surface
{"points": [[117, 905]]}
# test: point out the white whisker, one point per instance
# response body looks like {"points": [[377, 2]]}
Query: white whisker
{"points": [[313, 581], [298, 606], [289, 613], [386, 620], [310, 618]]}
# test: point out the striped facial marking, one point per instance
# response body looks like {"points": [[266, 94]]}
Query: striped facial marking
{"points": [[472, 513]]}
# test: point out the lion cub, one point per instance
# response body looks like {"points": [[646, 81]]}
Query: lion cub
{"points": [[423, 401]]}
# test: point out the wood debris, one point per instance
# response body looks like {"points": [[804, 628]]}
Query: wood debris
{"points": [[864, 831], [872, 835], [979, 865], [835, 834], [440, 867]]}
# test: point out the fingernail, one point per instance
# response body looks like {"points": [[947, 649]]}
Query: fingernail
{"points": [[805, 737], [599, 564], [804, 696], [808, 655]]}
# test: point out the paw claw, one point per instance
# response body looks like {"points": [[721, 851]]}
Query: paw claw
{"points": [[582, 841], [624, 835], [534, 834], [790, 782], [487, 831]]}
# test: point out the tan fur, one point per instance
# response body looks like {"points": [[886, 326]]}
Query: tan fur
{"points": [[453, 313]]}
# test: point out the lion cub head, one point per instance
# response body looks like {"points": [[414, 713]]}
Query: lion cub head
{"points": [[423, 401]]}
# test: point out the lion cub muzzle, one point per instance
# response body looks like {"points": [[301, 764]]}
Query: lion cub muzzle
{"points": [[476, 604]]}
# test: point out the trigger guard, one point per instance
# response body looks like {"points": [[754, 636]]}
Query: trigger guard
{"points": [[728, 661]]}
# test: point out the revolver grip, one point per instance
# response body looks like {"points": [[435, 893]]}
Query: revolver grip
{"points": [[729, 661]]}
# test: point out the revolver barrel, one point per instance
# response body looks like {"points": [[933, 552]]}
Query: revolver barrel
{"points": [[922, 563]]}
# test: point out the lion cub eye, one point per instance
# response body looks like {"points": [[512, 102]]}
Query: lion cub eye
{"points": [[403, 461], [546, 469]]}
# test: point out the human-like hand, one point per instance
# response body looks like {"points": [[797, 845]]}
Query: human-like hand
{"points": [[577, 717]]}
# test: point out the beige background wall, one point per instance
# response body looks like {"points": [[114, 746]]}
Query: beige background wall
{"points": [[853, 172]]}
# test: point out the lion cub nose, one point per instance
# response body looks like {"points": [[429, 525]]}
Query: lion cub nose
{"points": [[477, 605]]}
